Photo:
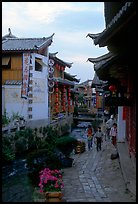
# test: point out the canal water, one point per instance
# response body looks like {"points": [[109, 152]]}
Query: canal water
{"points": [[16, 186]]}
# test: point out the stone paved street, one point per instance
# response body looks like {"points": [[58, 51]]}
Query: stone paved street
{"points": [[95, 178]]}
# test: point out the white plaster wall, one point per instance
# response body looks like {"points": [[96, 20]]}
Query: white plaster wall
{"points": [[13, 101], [121, 126], [40, 91], [3, 99]]}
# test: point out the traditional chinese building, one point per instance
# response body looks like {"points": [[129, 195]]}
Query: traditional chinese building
{"points": [[118, 68], [24, 77], [83, 94], [61, 84], [98, 94]]}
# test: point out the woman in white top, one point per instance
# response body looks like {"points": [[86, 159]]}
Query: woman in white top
{"points": [[113, 133], [109, 124]]}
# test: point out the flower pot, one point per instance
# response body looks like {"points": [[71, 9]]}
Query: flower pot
{"points": [[67, 162], [53, 196]]}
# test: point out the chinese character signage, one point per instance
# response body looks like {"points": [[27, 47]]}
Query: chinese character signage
{"points": [[25, 79], [98, 100]]}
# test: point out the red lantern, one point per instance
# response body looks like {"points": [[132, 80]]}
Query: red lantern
{"points": [[62, 68], [56, 104], [112, 88], [56, 66], [56, 89]]}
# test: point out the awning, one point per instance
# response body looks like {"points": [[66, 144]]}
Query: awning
{"points": [[39, 61], [5, 60]]}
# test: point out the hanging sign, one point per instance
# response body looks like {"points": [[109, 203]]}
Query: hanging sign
{"points": [[51, 62], [25, 79]]}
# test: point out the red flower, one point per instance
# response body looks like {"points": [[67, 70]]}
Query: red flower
{"points": [[50, 180]]}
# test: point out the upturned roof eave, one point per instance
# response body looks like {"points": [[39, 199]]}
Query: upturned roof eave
{"points": [[63, 81], [47, 42], [100, 58], [114, 25], [53, 56]]}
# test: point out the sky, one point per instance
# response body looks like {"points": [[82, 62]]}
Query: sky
{"points": [[70, 21]]}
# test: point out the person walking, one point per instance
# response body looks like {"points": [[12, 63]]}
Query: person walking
{"points": [[113, 133], [99, 138], [109, 124], [89, 136]]}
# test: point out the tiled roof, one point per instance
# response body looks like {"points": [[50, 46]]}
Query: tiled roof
{"points": [[63, 81], [22, 44], [115, 22], [97, 81], [98, 59], [53, 56], [70, 77], [13, 82], [101, 62]]}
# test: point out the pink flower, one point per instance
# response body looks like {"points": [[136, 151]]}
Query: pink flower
{"points": [[50, 180]]}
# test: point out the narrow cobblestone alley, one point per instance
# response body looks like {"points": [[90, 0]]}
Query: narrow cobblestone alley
{"points": [[95, 178]]}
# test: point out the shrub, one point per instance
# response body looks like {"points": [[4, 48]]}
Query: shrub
{"points": [[5, 118], [64, 128], [20, 145], [40, 159], [28, 140], [7, 151], [66, 144]]}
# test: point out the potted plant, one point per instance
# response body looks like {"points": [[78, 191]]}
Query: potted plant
{"points": [[22, 120], [51, 184]]}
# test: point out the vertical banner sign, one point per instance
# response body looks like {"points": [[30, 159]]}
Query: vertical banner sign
{"points": [[97, 100], [25, 75]]}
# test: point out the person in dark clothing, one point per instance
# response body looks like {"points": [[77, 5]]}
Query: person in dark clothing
{"points": [[99, 138]]}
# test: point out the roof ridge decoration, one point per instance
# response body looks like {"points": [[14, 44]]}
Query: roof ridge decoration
{"points": [[9, 35], [30, 38]]}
